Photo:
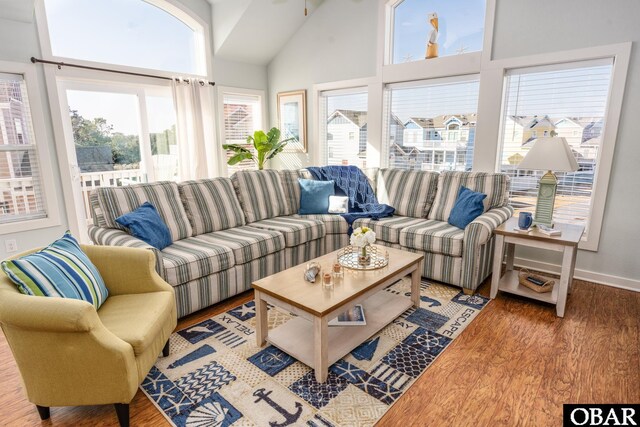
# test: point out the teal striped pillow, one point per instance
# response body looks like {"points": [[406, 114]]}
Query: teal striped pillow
{"points": [[60, 270]]}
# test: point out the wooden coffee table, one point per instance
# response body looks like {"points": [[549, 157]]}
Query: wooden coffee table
{"points": [[307, 337]]}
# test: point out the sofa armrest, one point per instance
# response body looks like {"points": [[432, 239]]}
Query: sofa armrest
{"points": [[480, 230], [114, 237], [127, 270], [33, 313]]}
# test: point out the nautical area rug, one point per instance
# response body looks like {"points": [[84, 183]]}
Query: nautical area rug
{"points": [[217, 376]]}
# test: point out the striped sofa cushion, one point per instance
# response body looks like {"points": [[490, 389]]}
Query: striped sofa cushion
{"points": [[494, 185], [292, 187], [433, 236], [96, 213], [261, 194], [164, 196], [211, 205], [247, 243], [410, 192], [333, 224], [296, 231], [387, 229], [192, 258], [60, 270]]}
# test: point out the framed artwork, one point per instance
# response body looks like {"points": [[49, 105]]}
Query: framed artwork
{"points": [[292, 119]]}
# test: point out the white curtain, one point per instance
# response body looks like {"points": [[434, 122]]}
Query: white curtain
{"points": [[195, 132]]}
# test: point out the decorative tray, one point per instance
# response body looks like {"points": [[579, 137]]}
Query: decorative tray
{"points": [[350, 257]]}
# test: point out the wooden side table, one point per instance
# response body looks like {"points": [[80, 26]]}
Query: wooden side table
{"points": [[507, 238]]}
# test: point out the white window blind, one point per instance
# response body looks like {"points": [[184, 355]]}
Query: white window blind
{"points": [[21, 195], [343, 133], [242, 117], [570, 100], [431, 125]]}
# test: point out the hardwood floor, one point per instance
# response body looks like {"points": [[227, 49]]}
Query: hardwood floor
{"points": [[516, 364]]}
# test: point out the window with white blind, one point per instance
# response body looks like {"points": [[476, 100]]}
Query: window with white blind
{"points": [[343, 121], [431, 125], [569, 100], [242, 116], [21, 194]]}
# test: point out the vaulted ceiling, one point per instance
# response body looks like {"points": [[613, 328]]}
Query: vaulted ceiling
{"points": [[254, 31]]}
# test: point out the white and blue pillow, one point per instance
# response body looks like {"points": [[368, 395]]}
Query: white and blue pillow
{"points": [[60, 270]]}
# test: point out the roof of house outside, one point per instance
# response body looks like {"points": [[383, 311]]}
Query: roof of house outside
{"points": [[358, 118], [438, 122]]}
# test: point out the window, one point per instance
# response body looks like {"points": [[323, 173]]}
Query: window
{"points": [[343, 115], [114, 145], [428, 116], [124, 32], [21, 192], [570, 100], [242, 116], [460, 28]]}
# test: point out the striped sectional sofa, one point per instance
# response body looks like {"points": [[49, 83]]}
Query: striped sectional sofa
{"points": [[229, 232]]}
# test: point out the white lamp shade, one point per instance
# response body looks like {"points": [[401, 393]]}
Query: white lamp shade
{"points": [[552, 154]]}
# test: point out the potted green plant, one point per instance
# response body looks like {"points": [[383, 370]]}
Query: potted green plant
{"points": [[266, 145]]}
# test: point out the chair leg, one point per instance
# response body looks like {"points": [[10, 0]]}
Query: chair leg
{"points": [[122, 410], [165, 350], [44, 412], [468, 291]]}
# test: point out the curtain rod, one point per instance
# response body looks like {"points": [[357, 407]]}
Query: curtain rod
{"points": [[108, 70]]}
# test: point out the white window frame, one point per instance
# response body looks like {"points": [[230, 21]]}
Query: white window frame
{"points": [[318, 152], [172, 7], [72, 197], [50, 197], [220, 92], [491, 109]]}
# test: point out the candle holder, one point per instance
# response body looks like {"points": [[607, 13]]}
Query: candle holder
{"points": [[327, 280], [337, 271]]}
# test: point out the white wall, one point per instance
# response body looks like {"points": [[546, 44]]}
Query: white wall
{"points": [[19, 42], [339, 42]]}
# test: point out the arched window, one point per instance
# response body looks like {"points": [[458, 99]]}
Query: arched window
{"points": [[454, 126], [151, 34]]}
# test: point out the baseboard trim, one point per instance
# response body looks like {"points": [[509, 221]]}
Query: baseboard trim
{"points": [[591, 276]]}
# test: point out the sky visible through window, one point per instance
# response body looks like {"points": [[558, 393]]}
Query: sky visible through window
{"points": [[461, 27], [124, 32]]}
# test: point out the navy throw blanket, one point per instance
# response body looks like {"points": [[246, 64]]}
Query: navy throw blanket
{"points": [[353, 183]]}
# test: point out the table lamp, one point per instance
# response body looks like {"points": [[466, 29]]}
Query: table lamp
{"points": [[550, 154]]}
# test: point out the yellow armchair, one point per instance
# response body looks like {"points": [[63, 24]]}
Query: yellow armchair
{"points": [[71, 354]]}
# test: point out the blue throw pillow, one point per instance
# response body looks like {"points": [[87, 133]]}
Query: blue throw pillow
{"points": [[60, 270], [146, 224], [468, 207], [314, 196]]}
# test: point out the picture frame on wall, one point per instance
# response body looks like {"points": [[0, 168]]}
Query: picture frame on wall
{"points": [[292, 119]]}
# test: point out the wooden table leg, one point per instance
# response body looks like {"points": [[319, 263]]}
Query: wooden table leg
{"points": [[497, 265], [573, 268], [511, 250], [567, 259], [262, 319], [321, 348], [416, 276]]}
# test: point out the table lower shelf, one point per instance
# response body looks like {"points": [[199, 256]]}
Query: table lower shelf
{"points": [[296, 336], [509, 283]]}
